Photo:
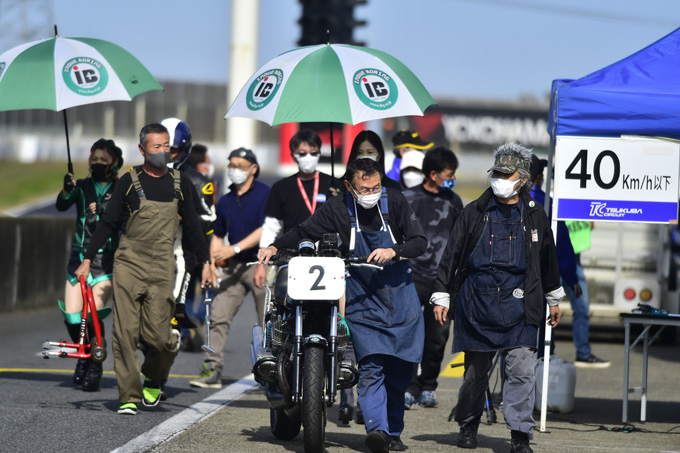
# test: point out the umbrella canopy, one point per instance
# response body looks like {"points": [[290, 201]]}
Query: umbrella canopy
{"points": [[59, 73], [333, 83]]}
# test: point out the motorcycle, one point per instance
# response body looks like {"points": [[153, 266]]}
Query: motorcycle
{"points": [[296, 355]]}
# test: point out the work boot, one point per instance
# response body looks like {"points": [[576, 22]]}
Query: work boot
{"points": [[211, 377], [520, 442], [467, 436], [378, 441], [396, 444], [92, 376]]}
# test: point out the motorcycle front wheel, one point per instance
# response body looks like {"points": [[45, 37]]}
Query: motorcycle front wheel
{"points": [[313, 404]]}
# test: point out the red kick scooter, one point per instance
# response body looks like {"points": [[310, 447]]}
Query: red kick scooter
{"points": [[96, 349]]}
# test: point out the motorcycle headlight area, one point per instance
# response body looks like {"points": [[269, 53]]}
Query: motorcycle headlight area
{"points": [[316, 278]]}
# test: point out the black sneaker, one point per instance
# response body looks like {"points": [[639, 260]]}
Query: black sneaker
{"points": [[378, 441], [592, 362], [81, 369], [93, 376], [520, 442], [360, 416], [467, 436], [396, 444]]}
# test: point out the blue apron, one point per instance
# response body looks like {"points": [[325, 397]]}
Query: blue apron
{"points": [[382, 309], [489, 309]]}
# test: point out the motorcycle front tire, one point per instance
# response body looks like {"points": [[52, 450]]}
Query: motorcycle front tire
{"points": [[313, 404], [283, 426]]}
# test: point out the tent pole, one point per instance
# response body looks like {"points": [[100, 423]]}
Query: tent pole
{"points": [[547, 340], [68, 145]]}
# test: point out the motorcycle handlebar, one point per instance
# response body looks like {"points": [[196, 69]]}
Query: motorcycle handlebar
{"points": [[350, 260]]}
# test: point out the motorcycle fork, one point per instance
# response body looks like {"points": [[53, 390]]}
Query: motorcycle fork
{"points": [[297, 355], [332, 360]]}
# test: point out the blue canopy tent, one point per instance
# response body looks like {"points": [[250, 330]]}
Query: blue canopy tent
{"points": [[639, 95]]}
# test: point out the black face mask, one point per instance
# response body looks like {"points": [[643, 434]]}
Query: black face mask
{"points": [[99, 172]]}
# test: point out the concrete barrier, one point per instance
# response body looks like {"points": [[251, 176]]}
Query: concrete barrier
{"points": [[35, 253]]}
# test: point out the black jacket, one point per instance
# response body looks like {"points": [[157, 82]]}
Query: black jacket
{"points": [[542, 273]]}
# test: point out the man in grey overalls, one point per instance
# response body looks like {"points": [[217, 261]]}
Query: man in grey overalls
{"points": [[499, 264], [147, 205]]}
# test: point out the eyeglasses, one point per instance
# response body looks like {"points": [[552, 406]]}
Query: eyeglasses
{"points": [[239, 167], [367, 191], [311, 153]]}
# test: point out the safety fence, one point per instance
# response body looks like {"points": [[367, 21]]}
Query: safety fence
{"points": [[35, 253]]}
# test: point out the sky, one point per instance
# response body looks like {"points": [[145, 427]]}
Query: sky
{"points": [[460, 49]]}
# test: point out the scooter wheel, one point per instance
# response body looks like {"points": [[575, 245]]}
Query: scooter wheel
{"points": [[98, 354]]}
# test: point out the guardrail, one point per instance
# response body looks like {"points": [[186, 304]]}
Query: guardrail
{"points": [[35, 253]]}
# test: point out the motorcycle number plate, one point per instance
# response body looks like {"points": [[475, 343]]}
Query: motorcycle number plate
{"points": [[315, 278]]}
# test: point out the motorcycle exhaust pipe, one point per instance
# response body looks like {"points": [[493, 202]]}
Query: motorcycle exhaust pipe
{"points": [[264, 362], [207, 300]]}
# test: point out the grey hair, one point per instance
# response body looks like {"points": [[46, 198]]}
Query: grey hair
{"points": [[515, 149], [153, 128]]}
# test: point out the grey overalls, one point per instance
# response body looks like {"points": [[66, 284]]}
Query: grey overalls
{"points": [[143, 279]]}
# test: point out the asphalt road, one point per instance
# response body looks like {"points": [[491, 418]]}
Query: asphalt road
{"points": [[40, 410]]}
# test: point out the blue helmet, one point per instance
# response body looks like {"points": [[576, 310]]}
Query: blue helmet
{"points": [[180, 138]]}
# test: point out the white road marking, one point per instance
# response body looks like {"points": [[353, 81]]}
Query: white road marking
{"points": [[189, 416]]}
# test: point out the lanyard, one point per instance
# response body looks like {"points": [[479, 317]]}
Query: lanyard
{"points": [[310, 206]]}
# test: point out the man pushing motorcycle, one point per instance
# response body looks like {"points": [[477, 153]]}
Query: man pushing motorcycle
{"points": [[382, 308]]}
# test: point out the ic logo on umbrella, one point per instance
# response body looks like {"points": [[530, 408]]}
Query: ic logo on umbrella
{"points": [[85, 76], [264, 88], [375, 88]]}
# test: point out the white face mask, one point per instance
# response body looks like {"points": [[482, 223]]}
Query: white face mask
{"points": [[237, 176], [412, 178], [211, 171], [307, 163], [503, 188], [373, 157], [368, 201]]}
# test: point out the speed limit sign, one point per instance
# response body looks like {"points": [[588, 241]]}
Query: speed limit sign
{"points": [[627, 179]]}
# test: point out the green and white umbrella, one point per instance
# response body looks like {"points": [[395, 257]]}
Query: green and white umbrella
{"points": [[60, 73], [333, 83]]}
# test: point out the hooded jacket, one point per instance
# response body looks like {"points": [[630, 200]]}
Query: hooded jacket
{"points": [[542, 271]]}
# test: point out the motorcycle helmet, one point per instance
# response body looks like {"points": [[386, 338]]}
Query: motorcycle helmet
{"points": [[180, 138]]}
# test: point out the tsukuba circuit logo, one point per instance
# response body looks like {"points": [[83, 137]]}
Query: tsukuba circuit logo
{"points": [[375, 88], [85, 76], [264, 88]]}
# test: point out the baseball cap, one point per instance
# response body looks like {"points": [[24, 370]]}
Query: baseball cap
{"points": [[509, 164], [412, 159], [410, 139], [247, 154]]}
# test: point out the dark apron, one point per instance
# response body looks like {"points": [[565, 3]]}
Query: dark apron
{"points": [[382, 310], [489, 309]]}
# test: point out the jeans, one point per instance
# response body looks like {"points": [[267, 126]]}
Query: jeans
{"points": [[580, 308]]}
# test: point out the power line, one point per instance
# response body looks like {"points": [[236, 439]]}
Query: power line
{"points": [[582, 13]]}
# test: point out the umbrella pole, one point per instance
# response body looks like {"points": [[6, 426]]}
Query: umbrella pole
{"points": [[68, 145], [332, 155]]}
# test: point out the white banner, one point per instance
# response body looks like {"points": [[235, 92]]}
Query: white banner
{"points": [[627, 179]]}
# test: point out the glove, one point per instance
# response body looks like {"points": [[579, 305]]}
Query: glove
{"points": [[69, 185], [182, 317]]}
